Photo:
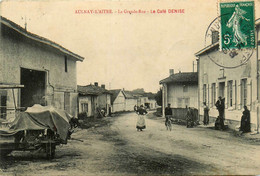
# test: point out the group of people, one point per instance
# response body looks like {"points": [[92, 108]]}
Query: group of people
{"points": [[219, 123]]}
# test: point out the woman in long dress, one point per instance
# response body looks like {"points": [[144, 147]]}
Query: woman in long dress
{"points": [[140, 125]]}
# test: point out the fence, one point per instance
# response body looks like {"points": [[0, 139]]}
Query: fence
{"points": [[180, 113]]}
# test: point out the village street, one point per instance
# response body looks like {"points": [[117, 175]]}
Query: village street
{"points": [[114, 147]]}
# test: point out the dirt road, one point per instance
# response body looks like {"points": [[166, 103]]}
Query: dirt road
{"points": [[114, 147]]}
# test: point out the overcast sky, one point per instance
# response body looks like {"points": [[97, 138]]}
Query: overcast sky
{"points": [[126, 50]]}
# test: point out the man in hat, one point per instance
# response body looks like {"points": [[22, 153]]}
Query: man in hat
{"points": [[168, 113]]}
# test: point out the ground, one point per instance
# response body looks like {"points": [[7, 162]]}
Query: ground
{"points": [[112, 146]]}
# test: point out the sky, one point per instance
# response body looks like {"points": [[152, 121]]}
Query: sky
{"points": [[121, 50]]}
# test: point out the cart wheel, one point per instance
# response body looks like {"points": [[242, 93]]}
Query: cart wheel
{"points": [[50, 150]]}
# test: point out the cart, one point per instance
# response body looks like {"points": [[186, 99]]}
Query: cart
{"points": [[39, 128]]}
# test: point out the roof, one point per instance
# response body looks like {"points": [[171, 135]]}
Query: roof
{"points": [[216, 45], [129, 95], [114, 93], [39, 39], [183, 77], [134, 95], [92, 90]]}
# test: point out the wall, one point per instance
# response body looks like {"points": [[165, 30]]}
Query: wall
{"points": [[153, 104], [104, 100], [130, 103], [119, 103], [91, 105], [18, 52], [175, 92], [210, 73]]}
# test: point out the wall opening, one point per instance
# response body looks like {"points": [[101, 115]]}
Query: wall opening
{"points": [[221, 89], [3, 103], [34, 87]]}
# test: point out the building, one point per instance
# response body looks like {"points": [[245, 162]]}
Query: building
{"points": [[46, 69], [93, 98], [117, 100], [124, 100], [180, 90], [238, 85], [130, 100]]}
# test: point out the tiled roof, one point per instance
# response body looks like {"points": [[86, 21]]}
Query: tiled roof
{"points": [[92, 90], [114, 93], [185, 77], [37, 38], [129, 95], [134, 95]]}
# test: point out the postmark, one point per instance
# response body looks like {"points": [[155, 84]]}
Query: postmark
{"points": [[237, 25], [230, 51]]}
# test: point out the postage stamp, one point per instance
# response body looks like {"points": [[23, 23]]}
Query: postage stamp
{"points": [[237, 25]]}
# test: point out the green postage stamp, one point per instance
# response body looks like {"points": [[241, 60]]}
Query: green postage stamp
{"points": [[237, 25]]}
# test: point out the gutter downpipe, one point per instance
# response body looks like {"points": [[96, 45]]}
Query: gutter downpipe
{"points": [[198, 70], [257, 79]]}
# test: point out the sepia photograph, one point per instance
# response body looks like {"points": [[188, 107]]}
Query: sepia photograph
{"points": [[129, 87]]}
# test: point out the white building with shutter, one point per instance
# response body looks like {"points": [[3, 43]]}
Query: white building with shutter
{"points": [[180, 90], [239, 86]]}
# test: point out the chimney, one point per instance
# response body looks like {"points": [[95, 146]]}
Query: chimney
{"points": [[103, 86], [171, 71], [214, 36], [96, 83]]}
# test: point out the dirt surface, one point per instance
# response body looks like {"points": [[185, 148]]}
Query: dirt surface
{"points": [[112, 146]]}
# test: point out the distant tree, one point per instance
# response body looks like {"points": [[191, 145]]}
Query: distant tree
{"points": [[158, 97]]}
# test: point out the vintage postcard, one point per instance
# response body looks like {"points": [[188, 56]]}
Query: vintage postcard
{"points": [[129, 87]]}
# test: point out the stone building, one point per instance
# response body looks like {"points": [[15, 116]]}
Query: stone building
{"points": [[239, 85], [93, 97], [180, 90], [46, 69]]}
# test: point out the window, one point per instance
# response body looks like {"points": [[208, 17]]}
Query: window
{"points": [[221, 89], [213, 94], [66, 64], [204, 93], [84, 107], [230, 92], [3, 103], [243, 92], [185, 88]]}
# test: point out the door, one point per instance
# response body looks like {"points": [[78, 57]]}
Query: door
{"points": [[221, 89]]}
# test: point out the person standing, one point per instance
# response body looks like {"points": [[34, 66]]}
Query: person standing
{"points": [[140, 125], [168, 113], [135, 108], [206, 114], [245, 121], [220, 104]]}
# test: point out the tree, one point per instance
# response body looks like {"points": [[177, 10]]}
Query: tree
{"points": [[158, 97]]}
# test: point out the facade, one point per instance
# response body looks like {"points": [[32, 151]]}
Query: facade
{"points": [[239, 86], [92, 98], [117, 100], [130, 101], [46, 69], [180, 90], [123, 100]]}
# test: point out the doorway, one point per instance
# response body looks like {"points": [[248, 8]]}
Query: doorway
{"points": [[34, 87], [221, 89]]}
